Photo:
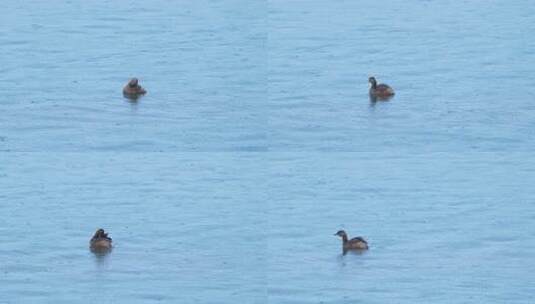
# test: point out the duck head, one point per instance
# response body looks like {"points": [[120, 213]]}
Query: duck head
{"points": [[341, 233], [133, 83], [98, 233]]}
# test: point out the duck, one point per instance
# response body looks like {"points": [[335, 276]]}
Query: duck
{"points": [[357, 243], [132, 89], [100, 242], [380, 91]]}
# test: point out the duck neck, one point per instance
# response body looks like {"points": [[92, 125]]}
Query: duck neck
{"points": [[374, 85], [344, 238]]}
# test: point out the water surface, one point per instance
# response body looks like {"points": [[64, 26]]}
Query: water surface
{"points": [[441, 228], [187, 228], [64, 63], [257, 141], [464, 75]]}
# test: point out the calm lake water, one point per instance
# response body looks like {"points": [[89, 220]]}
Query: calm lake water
{"points": [[187, 228], [442, 228], [257, 141], [63, 65], [229, 228]]}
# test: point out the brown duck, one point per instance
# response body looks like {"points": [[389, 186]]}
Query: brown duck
{"points": [[133, 89], [380, 91], [100, 241], [357, 243]]}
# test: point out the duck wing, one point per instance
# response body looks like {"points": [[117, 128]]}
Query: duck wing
{"points": [[101, 237], [383, 87], [358, 239]]}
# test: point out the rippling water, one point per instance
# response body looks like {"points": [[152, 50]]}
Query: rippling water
{"points": [[442, 228], [464, 73], [213, 227], [64, 63], [187, 228], [257, 141]]}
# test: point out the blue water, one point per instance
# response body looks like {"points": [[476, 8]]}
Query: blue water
{"points": [[63, 65], [442, 228], [187, 228], [463, 72], [257, 141]]}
